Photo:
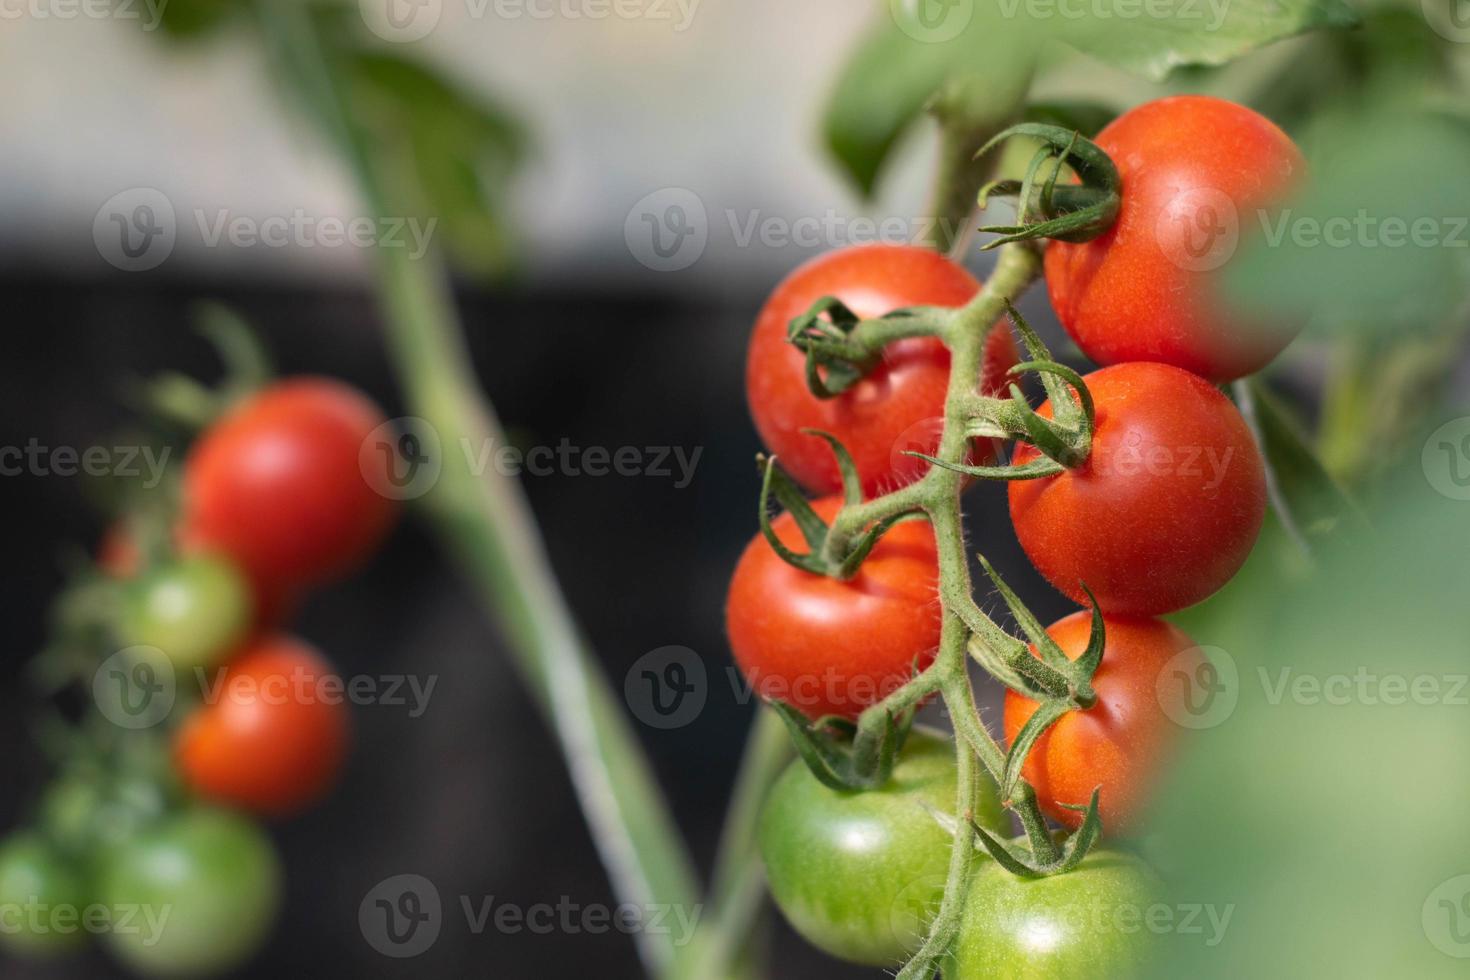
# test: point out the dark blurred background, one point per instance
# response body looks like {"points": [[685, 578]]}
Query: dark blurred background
{"points": [[472, 795]]}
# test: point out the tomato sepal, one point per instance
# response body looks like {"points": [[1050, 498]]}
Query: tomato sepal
{"points": [[817, 561], [1016, 857], [1068, 214], [842, 348], [183, 401], [844, 755]]}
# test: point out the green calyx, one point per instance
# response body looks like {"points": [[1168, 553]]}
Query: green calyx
{"points": [[1069, 213], [819, 560], [841, 348]]}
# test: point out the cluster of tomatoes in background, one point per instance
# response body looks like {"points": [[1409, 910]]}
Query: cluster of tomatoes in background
{"points": [[145, 836], [1163, 511]]}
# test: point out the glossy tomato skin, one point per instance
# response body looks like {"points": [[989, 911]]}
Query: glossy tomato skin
{"points": [[1196, 171], [273, 734], [276, 484], [1122, 742], [1084, 924], [218, 877], [827, 647], [1166, 508], [900, 405], [42, 898], [859, 874]]}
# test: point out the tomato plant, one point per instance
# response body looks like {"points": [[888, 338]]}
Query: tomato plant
{"points": [[897, 407], [195, 609], [206, 884], [826, 646], [276, 484], [1166, 507], [1086, 923], [273, 733], [1123, 741], [41, 898], [860, 874], [1195, 173]]}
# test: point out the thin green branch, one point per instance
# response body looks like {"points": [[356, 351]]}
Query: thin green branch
{"points": [[485, 522]]}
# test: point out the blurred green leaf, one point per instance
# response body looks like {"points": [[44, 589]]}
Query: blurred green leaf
{"points": [[189, 18], [1316, 506], [1379, 240], [1087, 118], [1325, 810], [449, 153], [1163, 37], [974, 60], [980, 75]]}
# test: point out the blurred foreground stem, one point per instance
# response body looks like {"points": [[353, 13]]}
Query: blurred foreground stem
{"points": [[485, 522], [730, 917]]}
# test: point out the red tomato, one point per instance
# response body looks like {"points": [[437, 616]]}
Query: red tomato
{"points": [[1123, 741], [276, 484], [1165, 509], [272, 734], [900, 405], [117, 553], [1196, 173], [829, 647]]}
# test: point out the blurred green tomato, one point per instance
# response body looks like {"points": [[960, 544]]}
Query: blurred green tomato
{"points": [[42, 898], [203, 886]]}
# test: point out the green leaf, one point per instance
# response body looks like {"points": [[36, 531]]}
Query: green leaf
{"points": [[980, 75], [1209, 32], [1315, 505], [449, 153]]}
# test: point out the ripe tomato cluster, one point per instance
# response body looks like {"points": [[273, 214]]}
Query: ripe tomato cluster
{"points": [[1159, 512], [274, 502]]}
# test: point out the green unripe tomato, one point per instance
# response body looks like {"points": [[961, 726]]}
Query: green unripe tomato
{"points": [[860, 875], [1090, 922], [42, 898], [205, 884], [195, 609]]}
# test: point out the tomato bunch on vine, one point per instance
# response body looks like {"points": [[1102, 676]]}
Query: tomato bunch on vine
{"points": [[886, 381], [200, 712]]}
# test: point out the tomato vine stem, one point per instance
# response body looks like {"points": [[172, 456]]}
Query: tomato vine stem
{"points": [[486, 523]]}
